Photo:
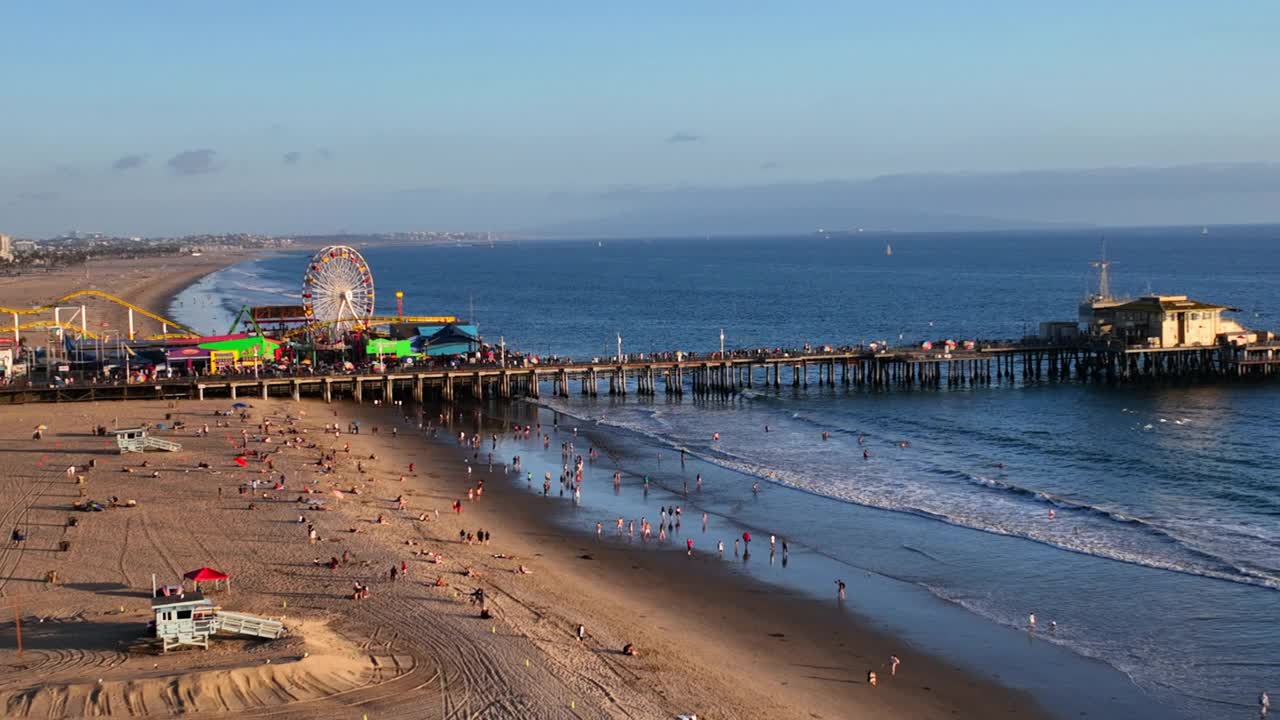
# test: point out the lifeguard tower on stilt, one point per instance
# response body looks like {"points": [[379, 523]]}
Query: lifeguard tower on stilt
{"points": [[188, 619], [137, 440]]}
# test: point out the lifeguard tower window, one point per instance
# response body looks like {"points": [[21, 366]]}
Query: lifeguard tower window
{"points": [[184, 614]]}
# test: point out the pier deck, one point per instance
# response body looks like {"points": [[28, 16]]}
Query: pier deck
{"points": [[900, 368]]}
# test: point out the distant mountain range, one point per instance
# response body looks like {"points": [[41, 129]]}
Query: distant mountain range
{"points": [[1194, 194]]}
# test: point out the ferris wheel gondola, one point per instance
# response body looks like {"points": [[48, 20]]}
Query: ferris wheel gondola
{"points": [[337, 293]]}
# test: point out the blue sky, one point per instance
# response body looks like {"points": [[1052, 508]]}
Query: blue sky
{"points": [[206, 108]]}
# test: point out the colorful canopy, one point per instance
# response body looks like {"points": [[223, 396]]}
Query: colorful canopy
{"points": [[253, 346], [206, 574]]}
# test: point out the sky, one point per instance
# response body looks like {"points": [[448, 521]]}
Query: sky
{"points": [[151, 117]]}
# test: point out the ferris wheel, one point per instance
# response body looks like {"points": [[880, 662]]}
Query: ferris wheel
{"points": [[337, 292]]}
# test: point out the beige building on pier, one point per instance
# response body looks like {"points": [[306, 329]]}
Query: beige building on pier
{"points": [[1164, 321]]}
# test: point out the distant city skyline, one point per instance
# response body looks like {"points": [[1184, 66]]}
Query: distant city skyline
{"points": [[524, 117]]}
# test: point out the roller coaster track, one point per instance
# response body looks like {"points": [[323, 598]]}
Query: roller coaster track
{"points": [[183, 330]]}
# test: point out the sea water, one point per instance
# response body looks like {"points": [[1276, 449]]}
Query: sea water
{"points": [[1163, 558]]}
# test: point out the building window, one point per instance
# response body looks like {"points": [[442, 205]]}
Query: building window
{"points": [[184, 614]]}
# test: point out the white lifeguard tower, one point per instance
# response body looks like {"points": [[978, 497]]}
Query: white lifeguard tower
{"points": [[137, 440], [189, 619]]}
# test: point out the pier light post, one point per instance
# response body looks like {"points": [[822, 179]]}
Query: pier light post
{"points": [[619, 348], [721, 343], [502, 343]]}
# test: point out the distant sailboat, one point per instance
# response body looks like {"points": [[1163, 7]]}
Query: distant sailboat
{"points": [[1204, 230], [888, 249]]}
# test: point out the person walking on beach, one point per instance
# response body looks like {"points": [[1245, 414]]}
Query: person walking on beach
{"points": [[1264, 704], [581, 632], [840, 589], [894, 662], [720, 548]]}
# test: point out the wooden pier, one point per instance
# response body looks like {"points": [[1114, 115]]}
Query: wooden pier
{"points": [[715, 376]]}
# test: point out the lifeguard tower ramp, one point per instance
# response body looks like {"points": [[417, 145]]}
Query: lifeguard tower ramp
{"points": [[245, 624], [137, 440], [189, 620]]}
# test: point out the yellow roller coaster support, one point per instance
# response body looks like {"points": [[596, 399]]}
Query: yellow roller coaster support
{"points": [[109, 298]]}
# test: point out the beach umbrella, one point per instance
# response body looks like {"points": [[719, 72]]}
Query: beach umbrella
{"points": [[241, 461], [239, 405], [207, 574]]}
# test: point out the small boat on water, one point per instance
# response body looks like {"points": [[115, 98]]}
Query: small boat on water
{"points": [[1204, 230], [888, 249]]}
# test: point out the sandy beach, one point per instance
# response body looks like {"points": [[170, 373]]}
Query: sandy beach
{"points": [[148, 282], [708, 643]]}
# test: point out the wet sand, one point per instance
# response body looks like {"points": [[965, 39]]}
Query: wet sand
{"points": [[709, 642]]}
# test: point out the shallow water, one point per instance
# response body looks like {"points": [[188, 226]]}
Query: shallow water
{"points": [[1164, 557]]}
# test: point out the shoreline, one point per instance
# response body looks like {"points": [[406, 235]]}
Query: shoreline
{"points": [[886, 640], [709, 643], [807, 656]]}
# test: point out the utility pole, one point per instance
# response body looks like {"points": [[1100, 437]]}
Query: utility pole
{"points": [[17, 624]]}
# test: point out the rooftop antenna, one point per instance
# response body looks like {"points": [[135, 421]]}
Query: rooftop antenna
{"points": [[1104, 273]]}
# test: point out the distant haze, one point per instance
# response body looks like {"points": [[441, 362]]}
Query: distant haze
{"points": [[1194, 195]]}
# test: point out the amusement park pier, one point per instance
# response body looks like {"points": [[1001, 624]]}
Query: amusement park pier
{"points": [[335, 345]]}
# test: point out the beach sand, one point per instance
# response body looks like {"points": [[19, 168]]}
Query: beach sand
{"points": [[709, 642], [148, 282]]}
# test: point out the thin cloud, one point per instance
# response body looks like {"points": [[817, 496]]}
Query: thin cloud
{"points": [[292, 157], [194, 162], [33, 197], [129, 162], [770, 165], [324, 153], [684, 137]]}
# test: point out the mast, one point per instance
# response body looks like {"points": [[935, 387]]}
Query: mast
{"points": [[1104, 273]]}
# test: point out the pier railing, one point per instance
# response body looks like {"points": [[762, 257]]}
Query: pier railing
{"points": [[674, 374]]}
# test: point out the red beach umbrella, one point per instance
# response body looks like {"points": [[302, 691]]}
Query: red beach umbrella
{"points": [[241, 461], [207, 574]]}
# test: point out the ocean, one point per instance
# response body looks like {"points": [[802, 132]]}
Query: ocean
{"points": [[1163, 562]]}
